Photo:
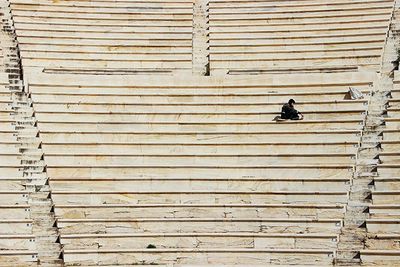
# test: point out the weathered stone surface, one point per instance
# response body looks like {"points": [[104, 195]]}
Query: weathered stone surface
{"points": [[120, 141]]}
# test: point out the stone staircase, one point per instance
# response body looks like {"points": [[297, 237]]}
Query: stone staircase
{"points": [[44, 229]]}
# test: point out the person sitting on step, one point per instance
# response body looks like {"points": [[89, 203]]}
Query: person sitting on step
{"points": [[289, 112]]}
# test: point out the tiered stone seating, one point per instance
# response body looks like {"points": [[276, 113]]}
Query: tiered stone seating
{"points": [[17, 244], [248, 37], [181, 170], [195, 170], [105, 37], [384, 225]]}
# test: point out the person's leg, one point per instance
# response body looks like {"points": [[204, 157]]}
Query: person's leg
{"points": [[295, 118]]}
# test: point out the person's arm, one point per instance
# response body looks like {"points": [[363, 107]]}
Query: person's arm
{"points": [[294, 111], [284, 112]]}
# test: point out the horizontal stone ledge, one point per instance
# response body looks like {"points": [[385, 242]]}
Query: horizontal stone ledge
{"points": [[230, 192], [384, 207], [73, 41], [75, 139], [318, 16], [344, 59], [109, 65], [292, 220], [232, 8], [312, 96], [252, 45], [322, 132], [99, 10], [98, 212], [309, 171], [114, 71], [67, 55], [218, 36], [65, 183], [10, 221], [216, 179], [279, 80], [173, 36], [17, 236], [183, 122], [289, 65], [381, 252], [257, 50], [292, 70], [195, 234], [14, 206], [92, 211], [218, 55], [195, 123], [25, 22], [108, 4], [340, 105], [18, 252], [282, 42], [287, 9], [181, 25], [185, 7], [137, 62], [387, 179], [182, 250], [74, 226], [216, 258], [187, 23], [259, 3], [386, 192], [241, 155], [230, 33], [383, 165], [14, 179], [385, 236], [183, 2], [141, 56], [228, 205], [243, 167], [197, 138], [167, 37], [288, 25], [184, 14], [46, 142], [383, 221], [139, 16], [10, 166], [22, 192], [224, 111], [198, 162], [157, 127]]}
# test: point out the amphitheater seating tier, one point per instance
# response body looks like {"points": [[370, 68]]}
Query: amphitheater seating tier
{"points": [[105, 37], [118, 171], [17, 244], [148, 163], [296, 36]]}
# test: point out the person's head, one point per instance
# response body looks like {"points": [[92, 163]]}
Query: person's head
{"points": [[291, 102]]}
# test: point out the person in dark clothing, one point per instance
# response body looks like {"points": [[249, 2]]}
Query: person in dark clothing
{"points": [[289, 112]]}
